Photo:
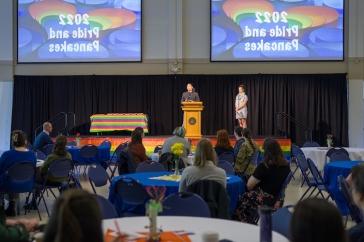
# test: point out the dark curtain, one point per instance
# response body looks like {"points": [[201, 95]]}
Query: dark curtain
{"points": [[317, 102]]}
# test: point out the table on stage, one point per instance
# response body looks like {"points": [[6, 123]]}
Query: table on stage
{"points": [[331, 173], [193, 227], [318, 154], [118, 122], [235, 186]]}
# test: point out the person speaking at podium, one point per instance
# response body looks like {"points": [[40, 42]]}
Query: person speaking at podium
{"points": [[190, 95]]}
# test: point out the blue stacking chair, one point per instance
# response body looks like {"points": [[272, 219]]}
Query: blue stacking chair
{"points": [[106, 143], [58, 169], [318, 181], [147, 166], [97, 176], [301, 163], [20, 178], [337, 154], [88, 154], [133, 196], [185, 204], [311, 144], [115, 158], [305, 171], [281, 220], [354, 211], [227, 156], [227, 166], [107, 210]]}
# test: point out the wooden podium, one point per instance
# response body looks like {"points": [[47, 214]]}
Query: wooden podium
{"points": [[192, 119]]}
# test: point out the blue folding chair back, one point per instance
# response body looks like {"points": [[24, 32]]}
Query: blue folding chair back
{"points": [[311, 144], [20, 178], [227, 156], [48, 149], [148, 166], [302, 163], [354, 211], [338, 154], [185, 204], [281, 220], [131, 192], [107, 209], [88, 152], [106, 143], [97, 176], [60, 169], [227, 166]]}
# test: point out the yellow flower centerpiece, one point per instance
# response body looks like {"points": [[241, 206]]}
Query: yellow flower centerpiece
{"points": [[177, 150]]}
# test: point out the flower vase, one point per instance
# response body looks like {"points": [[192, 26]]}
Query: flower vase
{"points": [[176, 166], [153, 210]]}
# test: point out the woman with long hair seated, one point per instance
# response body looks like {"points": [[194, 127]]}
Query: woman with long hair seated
{"points": [[317, 220], [19, 153], [265, 185], [136, 148], [59, 153], [223, 144], [76, 217], [203, 168], [244, 166]]}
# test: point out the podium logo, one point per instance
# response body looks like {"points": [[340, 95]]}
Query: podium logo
{"points": [[192, 121]]}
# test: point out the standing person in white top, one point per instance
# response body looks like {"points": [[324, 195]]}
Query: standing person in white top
{"points": [[241, 107]]}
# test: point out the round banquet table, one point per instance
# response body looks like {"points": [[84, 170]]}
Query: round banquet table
{"points": [[196, 227], [103, 154], [235, 187], [318, 154], [331, 173]]}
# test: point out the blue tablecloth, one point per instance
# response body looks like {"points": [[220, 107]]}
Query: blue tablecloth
{"points": [[235, 187], [103, 154], [331, 171]]}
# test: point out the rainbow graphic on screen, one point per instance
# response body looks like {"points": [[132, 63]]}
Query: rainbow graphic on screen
{"points": [[263, 30], [79, 31]]}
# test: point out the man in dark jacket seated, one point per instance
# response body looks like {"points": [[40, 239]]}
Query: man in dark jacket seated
{"points": [[43, 138]]}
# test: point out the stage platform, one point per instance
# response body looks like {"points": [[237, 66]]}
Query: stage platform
{"points": [[150, 142]]}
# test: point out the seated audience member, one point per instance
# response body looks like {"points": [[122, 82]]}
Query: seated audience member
{"points": [[244, 166], [19, 153], [223, 143], [43, 138], [203, 168], [15, 230], [238, 133], [76, 217], [356, 234], [136, 148], [317, 220], [178, 137], [59, 153], [265, 185]]}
